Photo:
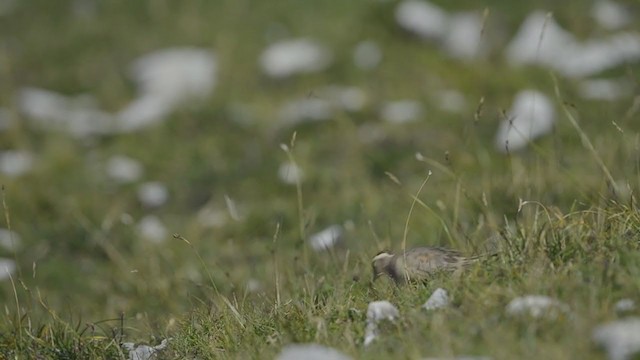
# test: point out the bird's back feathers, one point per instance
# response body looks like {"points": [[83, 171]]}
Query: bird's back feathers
{"points": [[421, 262]]}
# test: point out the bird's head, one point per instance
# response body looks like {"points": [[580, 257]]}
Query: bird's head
{"points": [[379, 263]]}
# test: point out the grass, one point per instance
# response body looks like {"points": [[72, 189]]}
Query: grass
{"points": [[87, 282]]}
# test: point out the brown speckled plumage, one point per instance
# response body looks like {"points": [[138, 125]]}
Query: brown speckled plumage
{"points": [[419, 263]]}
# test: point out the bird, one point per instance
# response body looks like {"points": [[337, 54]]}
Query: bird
{"points": [[419, 263]]}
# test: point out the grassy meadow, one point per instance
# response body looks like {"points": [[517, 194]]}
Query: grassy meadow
{"points": [[563, 211]]}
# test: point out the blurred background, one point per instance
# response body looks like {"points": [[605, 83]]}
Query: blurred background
{"points": [[292, 133]]}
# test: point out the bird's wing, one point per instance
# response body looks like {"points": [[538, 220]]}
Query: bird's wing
{"points": [[428, 260]]}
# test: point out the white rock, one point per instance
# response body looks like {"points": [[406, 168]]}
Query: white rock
{"points": [[166, 79], [286, 58], [153, 194], [144, 352], [123, 169], [7, 268], [401, 111], [308, 109], [142, 112], [348, 98], [151, 228], [439, 299], [463, 40], [88, 122], [15, 163], [541, 40], [310, 352], [595, 56], [327, 238], [531, 116], [625, 305], [9, 240], [610, 15], [621, 339], [376, 312], [367, 55], [603, 89], [78, 115], [176, 74], [43, 104], [422, 18], [536, 306], [371, 333], [290, 173], [382, 310]]}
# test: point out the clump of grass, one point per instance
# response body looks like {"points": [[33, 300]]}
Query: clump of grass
{"points": [[555, 212], [586, 258], [33, 337]]}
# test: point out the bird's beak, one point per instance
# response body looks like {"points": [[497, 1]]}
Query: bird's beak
{"points": [[372, 282], [375, 277]]}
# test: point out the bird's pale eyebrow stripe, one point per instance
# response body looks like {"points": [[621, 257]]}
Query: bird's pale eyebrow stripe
{"points": [[382, 255]]}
